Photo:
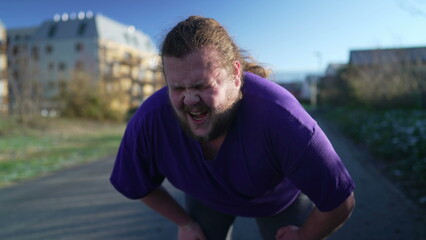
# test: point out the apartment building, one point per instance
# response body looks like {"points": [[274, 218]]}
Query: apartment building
{"points": [[45, 58], [406, 57]]}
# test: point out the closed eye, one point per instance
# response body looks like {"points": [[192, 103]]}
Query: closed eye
{"points": [[198, 87], [205, 86], [178, 89]]}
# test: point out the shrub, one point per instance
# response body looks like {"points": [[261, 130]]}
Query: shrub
{"points": [[385, 86], [397, 137], [336, 90], [85, 98]]}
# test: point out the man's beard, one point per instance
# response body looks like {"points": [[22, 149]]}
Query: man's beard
{"points": [[220, 124]]}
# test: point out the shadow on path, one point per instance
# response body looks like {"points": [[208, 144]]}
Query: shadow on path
{"points": [[80, 203]]}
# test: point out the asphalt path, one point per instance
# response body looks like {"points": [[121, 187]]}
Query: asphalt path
{"points": [[80, 203]]}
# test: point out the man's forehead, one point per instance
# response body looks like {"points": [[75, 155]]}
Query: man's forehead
{"points": [[200, 67], [197, 58], [188, 82]]}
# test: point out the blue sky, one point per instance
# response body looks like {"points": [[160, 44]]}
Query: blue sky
{"points": [[285, 35]]}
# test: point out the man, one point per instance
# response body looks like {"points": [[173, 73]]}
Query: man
{"points": [[234, 142]]}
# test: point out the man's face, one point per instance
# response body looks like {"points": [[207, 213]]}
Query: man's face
{"points": [[203, 93]]}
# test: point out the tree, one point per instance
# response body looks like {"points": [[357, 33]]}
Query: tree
{"points": [[83, 96], [24, 93], [335, 90], [391, 85]]}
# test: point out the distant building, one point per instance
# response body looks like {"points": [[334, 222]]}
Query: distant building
{"points": [[309, 89], [330, 74], [296, 83], [3, 71], [414, 56], [47, 57], [333, 69], [332, 88]]}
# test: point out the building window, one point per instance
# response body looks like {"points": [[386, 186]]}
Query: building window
{"points": [[79, 47], [35, 53], [62, 66], [15, 50], [82, 29], [50, 66], [126, 36], [15, 75], [52, 31], [135, 40], [49, 49], [17, 37]]}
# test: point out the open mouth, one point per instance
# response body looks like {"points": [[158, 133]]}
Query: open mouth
{"points": [[198, 116]]}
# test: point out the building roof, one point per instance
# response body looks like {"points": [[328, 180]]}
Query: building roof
{"points": [[124, 34], [386, 56], [22, 34], [97, 26], [333, 68]]}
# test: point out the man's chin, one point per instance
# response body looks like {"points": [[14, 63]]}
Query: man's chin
{"points": [[211, 130], [201, 137]]}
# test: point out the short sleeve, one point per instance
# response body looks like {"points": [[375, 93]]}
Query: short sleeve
{"points": [[320, 173], [135, 173]]}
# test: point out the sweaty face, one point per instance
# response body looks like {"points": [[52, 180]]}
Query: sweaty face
{"points": [[203, 94]]}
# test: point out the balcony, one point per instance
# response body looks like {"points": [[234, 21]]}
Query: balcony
{"points": [[3, 74], [3, 49]]}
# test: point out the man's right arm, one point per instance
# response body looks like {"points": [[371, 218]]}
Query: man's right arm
{"points": [[160, 201]]}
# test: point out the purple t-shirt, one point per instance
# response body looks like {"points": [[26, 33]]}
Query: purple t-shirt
{"points": [[272, 151]]}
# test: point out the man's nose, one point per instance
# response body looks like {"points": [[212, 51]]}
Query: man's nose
{"points": [[191, 98]]}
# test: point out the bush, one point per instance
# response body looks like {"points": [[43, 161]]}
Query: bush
{"points": [[397, 137], [384, 86], [336, 90], [376, 87], [85, 98]]}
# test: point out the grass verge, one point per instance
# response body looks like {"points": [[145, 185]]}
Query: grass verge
{"points": [[52, 144], [397, 138]]}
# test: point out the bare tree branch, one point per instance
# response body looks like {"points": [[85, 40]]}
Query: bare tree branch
{"points": [[412, 7]]}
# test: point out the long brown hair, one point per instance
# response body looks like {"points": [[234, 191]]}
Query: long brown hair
{"points": [[196, 32]]}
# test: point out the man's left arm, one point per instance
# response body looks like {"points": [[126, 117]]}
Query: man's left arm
{"points": [[319, 224]]}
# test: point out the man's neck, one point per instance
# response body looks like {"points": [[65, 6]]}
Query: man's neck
{"points": [[212, 147]]}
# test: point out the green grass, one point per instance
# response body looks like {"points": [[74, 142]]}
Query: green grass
{"points": [[397, 138], [52, 144]]}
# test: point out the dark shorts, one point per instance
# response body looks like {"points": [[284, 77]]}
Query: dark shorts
{"points": [[216, 224]]}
